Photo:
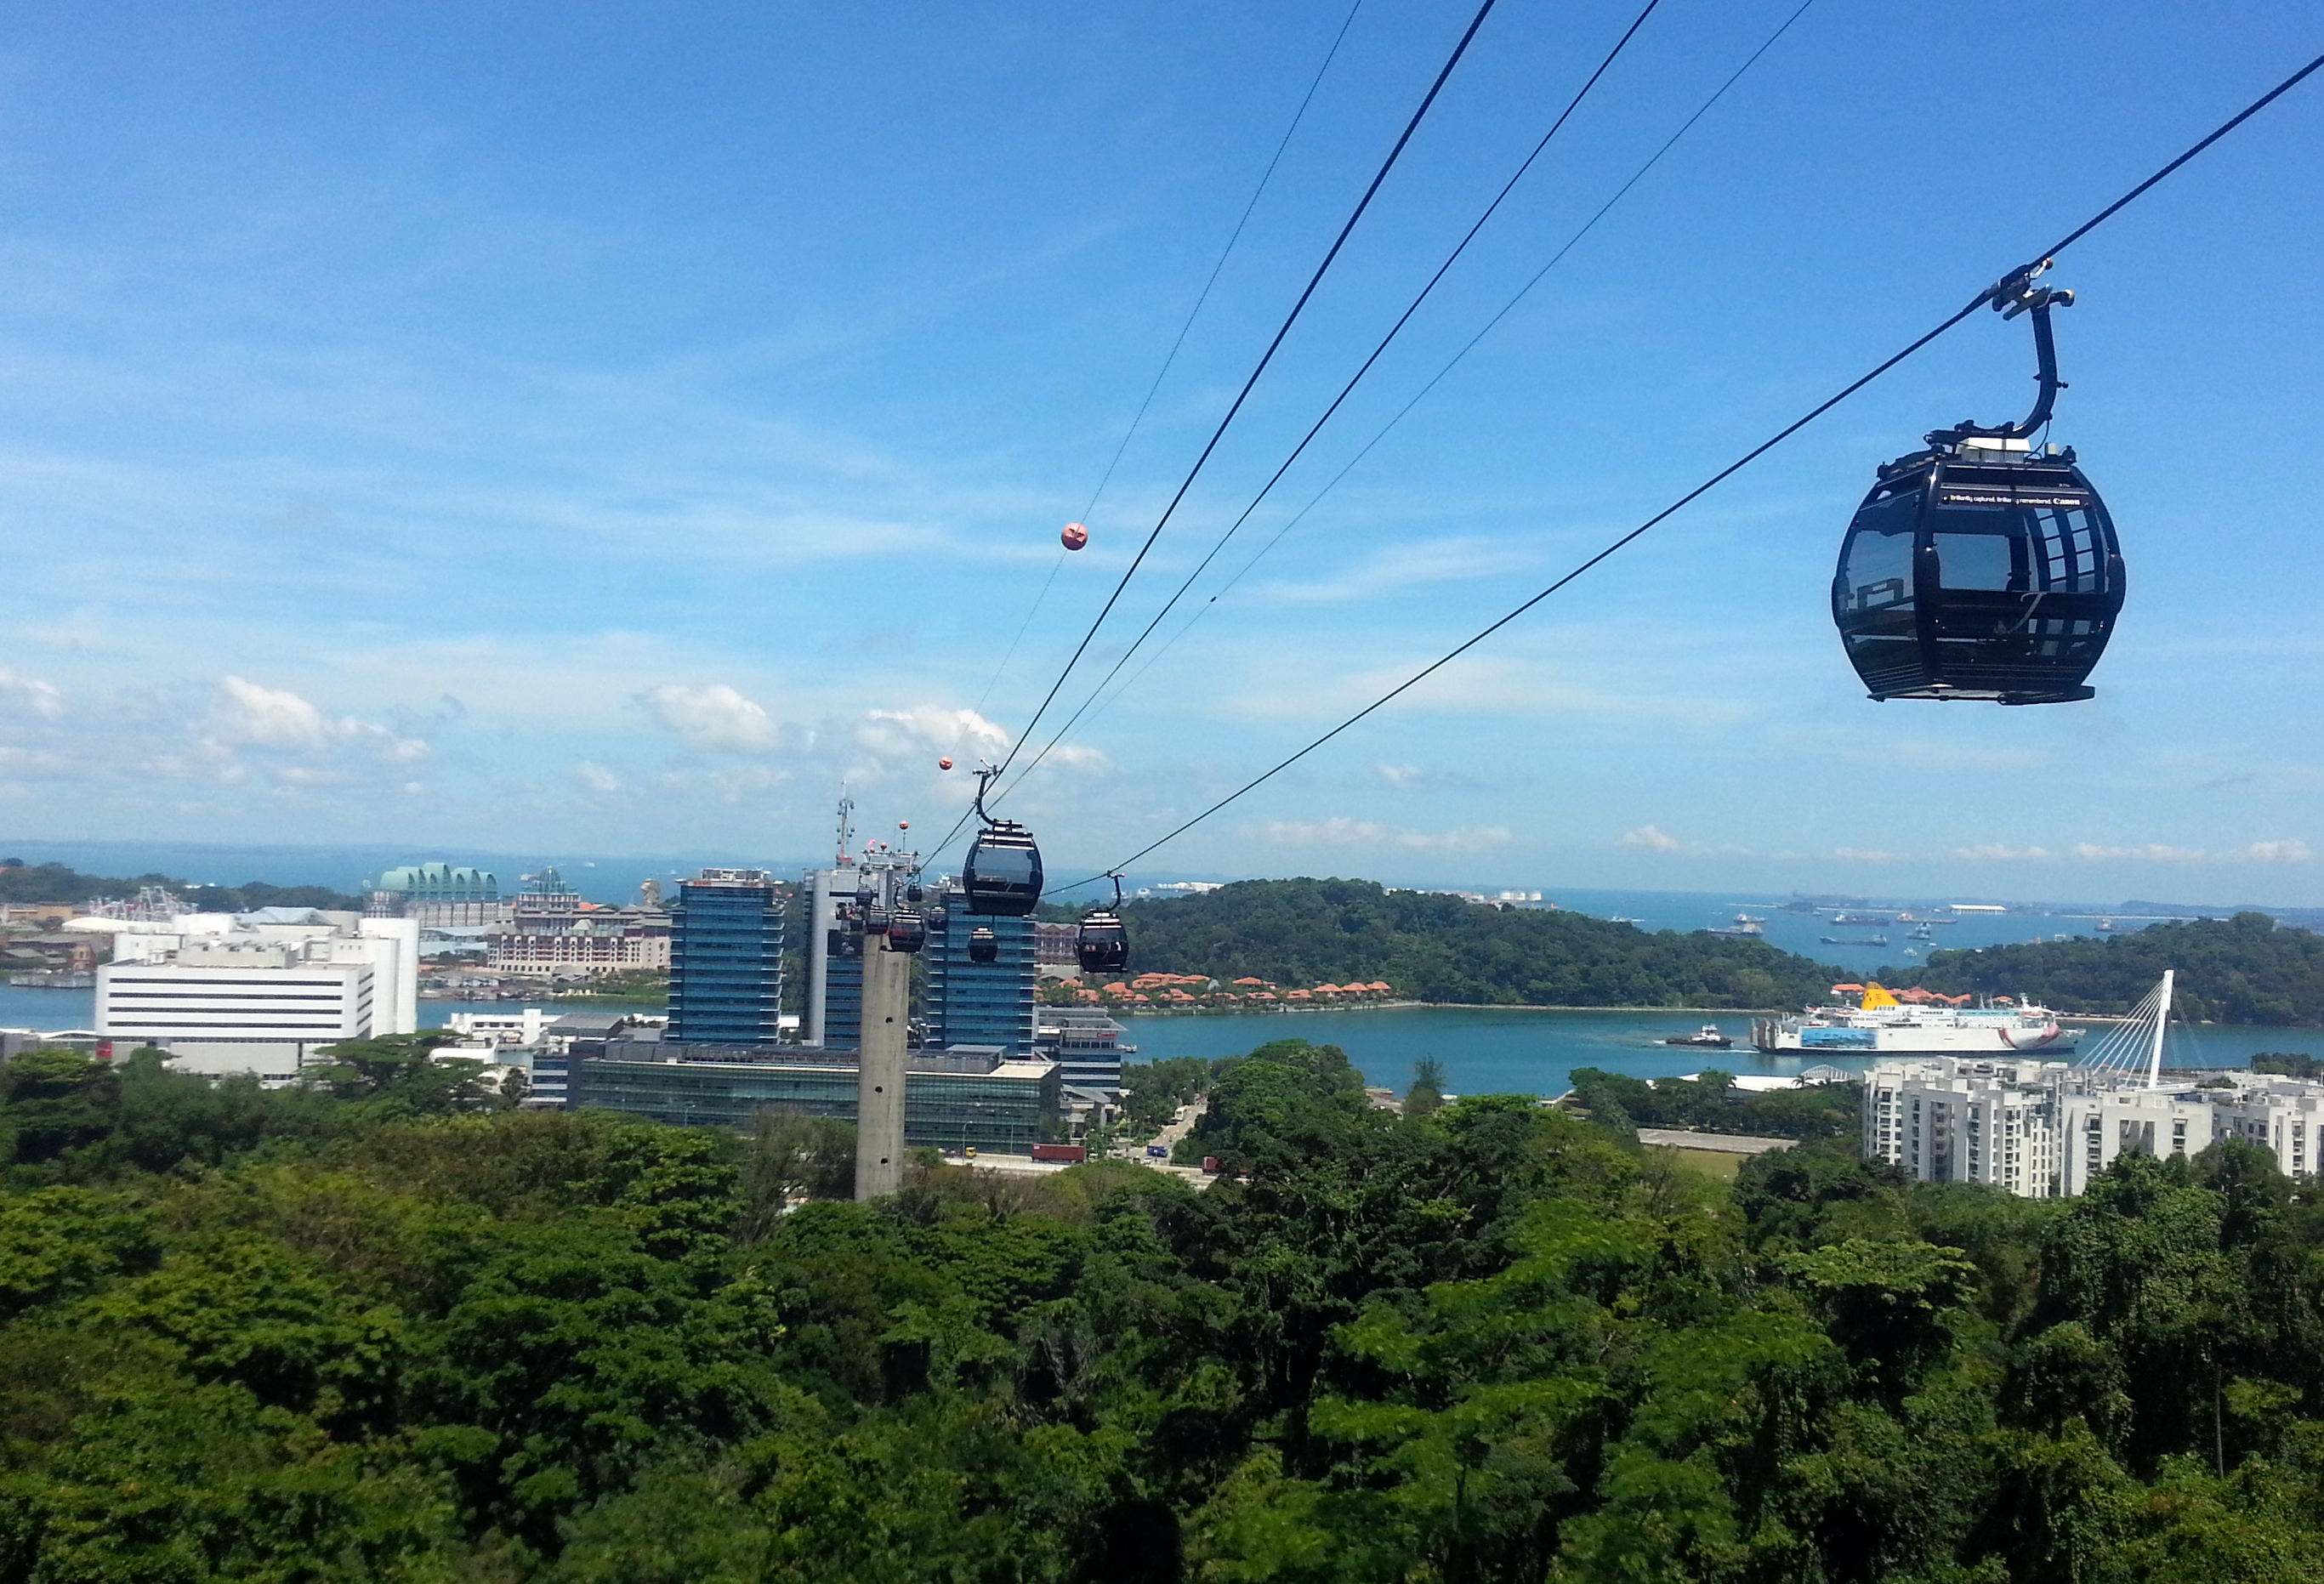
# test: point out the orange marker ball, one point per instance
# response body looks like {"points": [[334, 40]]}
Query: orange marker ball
{"points": [[943, 764], [1075, 537]]}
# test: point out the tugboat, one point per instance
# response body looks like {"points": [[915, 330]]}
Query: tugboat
{"points": [[1706, 1037]]}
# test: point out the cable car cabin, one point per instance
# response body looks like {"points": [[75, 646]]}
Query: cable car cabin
{"points": [[1002, 871], [983, 945], [1103, 944], [907, 930], [1980, 569]]}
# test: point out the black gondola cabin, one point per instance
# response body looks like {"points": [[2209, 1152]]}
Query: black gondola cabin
{"points": [[1002, 871], [1980, 570], [1102, 943]]}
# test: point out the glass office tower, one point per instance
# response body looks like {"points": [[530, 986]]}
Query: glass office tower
{"points": [[726, 958], [980, 1003]]}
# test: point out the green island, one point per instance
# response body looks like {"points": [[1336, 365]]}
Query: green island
{"points": [[1428, 946], [1433, 947], [2247, 969], [34, 883], [380, 1326]]}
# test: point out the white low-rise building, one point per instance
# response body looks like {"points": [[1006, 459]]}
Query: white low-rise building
{"points": [[259, 992], [2045, 1129]]}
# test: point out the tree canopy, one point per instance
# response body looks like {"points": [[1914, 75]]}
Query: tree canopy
{"points": [[2246, 969], [328, 1333]]}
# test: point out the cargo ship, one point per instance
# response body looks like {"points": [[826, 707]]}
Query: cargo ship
{"points": [[1881, 1025]]}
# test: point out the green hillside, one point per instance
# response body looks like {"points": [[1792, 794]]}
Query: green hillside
{"points": [[1440, 948], [2242, 970], [23, 882]]}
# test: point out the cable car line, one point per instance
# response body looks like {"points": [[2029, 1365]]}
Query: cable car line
{"points": [[2009, 288], [1353, 380], [1171, 357], [1381, 434], [1316, 279]]}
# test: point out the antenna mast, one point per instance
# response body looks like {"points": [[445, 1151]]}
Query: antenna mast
{"points": [[846, 814]]}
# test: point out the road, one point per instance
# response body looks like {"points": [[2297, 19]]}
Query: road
{"points": [[1180, 1125]]}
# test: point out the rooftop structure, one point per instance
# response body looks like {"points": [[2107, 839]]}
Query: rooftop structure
{"points": [[438, 895]]}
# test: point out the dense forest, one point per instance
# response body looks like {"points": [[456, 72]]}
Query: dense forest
{"points": [[1438, 948], [377, 1330], [54, 882], [2246, 969]]}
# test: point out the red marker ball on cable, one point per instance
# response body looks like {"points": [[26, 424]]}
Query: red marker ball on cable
{"points": [[943, 764], [1075, 537]]}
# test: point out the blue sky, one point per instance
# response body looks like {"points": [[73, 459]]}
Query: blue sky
{"points": [[610, 428]]}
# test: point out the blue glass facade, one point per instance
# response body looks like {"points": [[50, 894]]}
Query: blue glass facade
{"points": [[1009, 1110], [843, 1002], [726, 959], [980, 1003]]}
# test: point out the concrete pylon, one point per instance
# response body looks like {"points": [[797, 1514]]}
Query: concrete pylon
{"points": [[879, 1078]]}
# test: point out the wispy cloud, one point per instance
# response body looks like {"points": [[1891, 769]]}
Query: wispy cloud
{"points": [[1651, 838], [2000, 852], [1340, 830], [29, 695]]}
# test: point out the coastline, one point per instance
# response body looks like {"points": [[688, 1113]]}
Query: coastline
{"points": [[1408, 1006]]}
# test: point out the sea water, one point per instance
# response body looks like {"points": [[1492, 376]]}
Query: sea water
{"points": [[1484, 1050], [1525, 1051]]}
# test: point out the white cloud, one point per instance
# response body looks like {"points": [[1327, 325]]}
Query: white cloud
{"points": [[280, 721], [1861, 855], [270, 717], [716, 719], [1342, 831], [930, 727], [1398, 775], [596, 778], [1652, 840], [2152, 853], [2291, 851], [41, 698], [1996, 852]]}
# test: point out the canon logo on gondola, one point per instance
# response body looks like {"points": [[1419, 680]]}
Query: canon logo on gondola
{"points": [[1964, 497]]}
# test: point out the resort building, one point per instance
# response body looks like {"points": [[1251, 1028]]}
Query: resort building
{"points": [[439, 896]]}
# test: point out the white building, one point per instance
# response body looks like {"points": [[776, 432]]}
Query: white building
{"points": [[2043, 1130], [1087, 1047], [497, 1028], [256, 992]]}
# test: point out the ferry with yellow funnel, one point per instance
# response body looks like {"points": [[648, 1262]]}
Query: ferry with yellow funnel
{"points": [[1917, 1023]]}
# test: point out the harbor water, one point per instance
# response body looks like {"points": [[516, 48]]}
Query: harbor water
{"points": [[1484, 1050]]}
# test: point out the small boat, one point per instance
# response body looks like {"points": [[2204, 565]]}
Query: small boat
{"points": [[1921, 931], [1706, 1037]]}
